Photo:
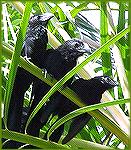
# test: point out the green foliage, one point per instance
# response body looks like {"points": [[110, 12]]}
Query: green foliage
{"points": [[83, 110], [100, 129], [32, 140], [106, 58]]}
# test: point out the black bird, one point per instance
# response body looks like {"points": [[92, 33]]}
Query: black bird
{"points": [[58, 63], [34, 49], [90, 92]]}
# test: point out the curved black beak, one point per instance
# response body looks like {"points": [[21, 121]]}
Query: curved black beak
{"points": [[113, 83], [109, 82], [86, 49]]}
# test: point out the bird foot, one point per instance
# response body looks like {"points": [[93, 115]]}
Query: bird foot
{"points": [[27, 58], [45, 72]]}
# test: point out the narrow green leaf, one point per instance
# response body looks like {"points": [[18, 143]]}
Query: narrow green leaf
{"points": [[42, 7], [61, 14], [106, 64], [122, 42], [15, 59], [38, 142], [87, 145], [77, 9], [121, 20]]}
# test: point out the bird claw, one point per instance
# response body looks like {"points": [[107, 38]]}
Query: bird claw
{"points": [[27, 58], [45, 72]]}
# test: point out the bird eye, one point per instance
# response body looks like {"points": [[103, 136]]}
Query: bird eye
{"points": [[108, 80], [76, 45]]}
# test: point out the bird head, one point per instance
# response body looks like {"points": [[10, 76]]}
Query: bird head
{"points": [[106, 82], [90, 91], [40, 19], [73, 49]]}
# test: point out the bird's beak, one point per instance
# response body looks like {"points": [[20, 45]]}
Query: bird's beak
{"points": [[46, 17], [86, 50], [113, 83]]}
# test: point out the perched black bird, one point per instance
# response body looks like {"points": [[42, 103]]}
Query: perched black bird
{"points": [[58, 63], [90, 92], [34, 49]]}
